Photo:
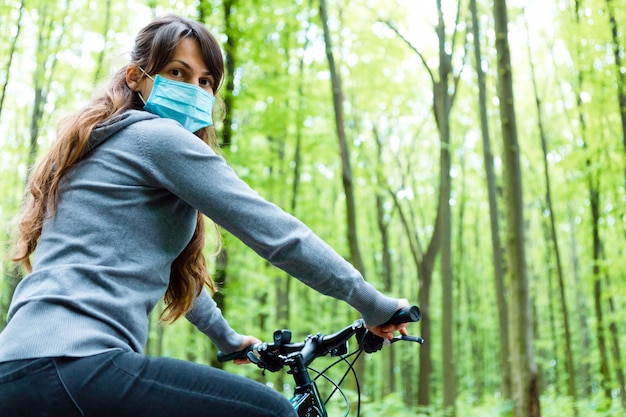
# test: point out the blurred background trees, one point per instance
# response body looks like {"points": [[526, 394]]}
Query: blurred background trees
{"points": [[381, 125]]}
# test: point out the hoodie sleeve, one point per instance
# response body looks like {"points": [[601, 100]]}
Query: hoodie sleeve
{"points": [[183, 164], [207, 317]]}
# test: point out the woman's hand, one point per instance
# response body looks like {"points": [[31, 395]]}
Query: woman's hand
{"points": [[247, 341], [386, 331]]}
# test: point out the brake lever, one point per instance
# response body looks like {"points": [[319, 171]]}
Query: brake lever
{"points": [[370, 342], [265, 358], [405, 338]]}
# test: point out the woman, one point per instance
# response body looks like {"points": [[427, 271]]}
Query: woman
{"points": [[113, 225]]}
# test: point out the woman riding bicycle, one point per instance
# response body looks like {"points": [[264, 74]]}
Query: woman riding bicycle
{"points": [[113, 222]]}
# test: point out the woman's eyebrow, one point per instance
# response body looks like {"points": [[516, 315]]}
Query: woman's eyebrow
{"points": [[186, 65]]}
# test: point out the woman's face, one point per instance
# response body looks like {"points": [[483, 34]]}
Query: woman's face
{"points": [[186, 65]]}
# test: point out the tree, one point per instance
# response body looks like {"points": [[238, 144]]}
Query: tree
{"points": [[553, 238], [230, 48], [593, 176], [618, 52], [524, 374], [105, 32], [444, 90], [346, 167], [14, 39], [494, 216]]}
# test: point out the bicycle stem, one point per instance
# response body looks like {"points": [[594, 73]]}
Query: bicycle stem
{"points": [[299, 371], [306, 395]]}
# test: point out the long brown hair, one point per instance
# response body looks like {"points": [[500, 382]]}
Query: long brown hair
{"points": [[153, 49]]}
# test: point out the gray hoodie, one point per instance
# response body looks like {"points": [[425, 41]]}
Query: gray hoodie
{"points": [[124, 214]]}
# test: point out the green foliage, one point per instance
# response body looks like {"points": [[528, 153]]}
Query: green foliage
{"points": [[391, 406], [284, 119]]}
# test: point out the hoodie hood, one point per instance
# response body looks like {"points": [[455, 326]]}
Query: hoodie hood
{"points": [[105, 130]]}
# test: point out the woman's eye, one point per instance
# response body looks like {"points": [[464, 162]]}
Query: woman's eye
{"points": [[176, 73]]}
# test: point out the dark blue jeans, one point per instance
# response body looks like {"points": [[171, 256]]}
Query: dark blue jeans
{"points": [[117, 384]]}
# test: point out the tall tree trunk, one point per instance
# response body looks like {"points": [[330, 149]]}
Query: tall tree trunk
{"points": [[596, 242], [105, 30], [299, 122], [594, 201], [443, 105], [47, 59], [618, 54], [424, 262], [278, 170], [555, 340], [615, 349], [618, 51], [46, 62], [13, 47], [494, 216], [524, 374], [444, 89], [346, 168], [283, 286], [605, 383], [581, 307], [387, 265], [230, 51], [12, 273], [232, 32], [553, 238]]}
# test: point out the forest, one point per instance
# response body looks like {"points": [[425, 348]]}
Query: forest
{"points": [[467, 155]]}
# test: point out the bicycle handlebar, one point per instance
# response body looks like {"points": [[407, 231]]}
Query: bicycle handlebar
{"points": [[271, 355], [406, 315]]}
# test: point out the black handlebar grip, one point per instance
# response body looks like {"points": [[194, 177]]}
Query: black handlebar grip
{"points": [[240, 354], [405, 315]]}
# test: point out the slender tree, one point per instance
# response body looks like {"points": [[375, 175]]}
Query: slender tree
{"points": [[594, 192], [48, 44], [229, 9], [442, 108], [553, 238], [444, 90], [615, 345], [494, 216], [581, 306], [598, 300], [618, 54], [233, 34], [425, 260], [105, 36], [346, 167], [524, 373], [11, 55], [49, 40], [383, 221]]}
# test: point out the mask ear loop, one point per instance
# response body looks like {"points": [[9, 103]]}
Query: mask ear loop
{"points": [[139, 93]]}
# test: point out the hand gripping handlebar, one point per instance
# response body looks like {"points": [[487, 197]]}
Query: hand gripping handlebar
{"points": [[318, 345]]}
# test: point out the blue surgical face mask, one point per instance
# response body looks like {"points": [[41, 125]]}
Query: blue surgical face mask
{"points": [[188, 104]]}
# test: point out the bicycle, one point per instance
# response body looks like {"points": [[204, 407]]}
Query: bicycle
{"points": [[297, 357]]}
